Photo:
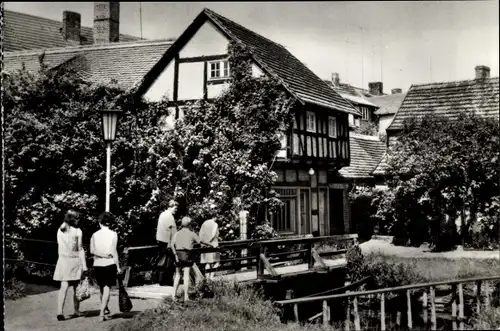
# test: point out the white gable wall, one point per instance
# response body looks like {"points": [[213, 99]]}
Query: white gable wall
{"points": [[206, 41]]}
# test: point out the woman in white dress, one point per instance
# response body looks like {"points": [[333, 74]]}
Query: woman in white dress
{"points": [[209, 235], [71, 261]]}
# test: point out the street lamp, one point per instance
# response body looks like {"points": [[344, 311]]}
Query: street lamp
{"points": [[109, 121]]}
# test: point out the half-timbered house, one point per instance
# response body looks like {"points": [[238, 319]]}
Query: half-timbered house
{"points": [[314, 149]]}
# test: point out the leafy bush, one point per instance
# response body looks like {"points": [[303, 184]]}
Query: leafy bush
{"points": [[264, 231], [372, 211], [441, 168]]}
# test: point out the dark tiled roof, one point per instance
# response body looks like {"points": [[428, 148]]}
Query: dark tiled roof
{"points": [[448, 99], [366, 153], [24, 32], [389, 104], [271, 57], [126, 63], [278, 60]]}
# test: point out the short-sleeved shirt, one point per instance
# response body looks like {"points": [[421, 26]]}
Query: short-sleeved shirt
{"points": [[185, 239], [104, 243], [166, 227]]}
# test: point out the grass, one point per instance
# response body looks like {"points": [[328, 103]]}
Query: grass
{"points": [[438, 268]]}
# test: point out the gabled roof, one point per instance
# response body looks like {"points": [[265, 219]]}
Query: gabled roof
{"points": [[25, 32], [126, 63], [366, 153], [271, 57], [448, 99], [389, 104]]}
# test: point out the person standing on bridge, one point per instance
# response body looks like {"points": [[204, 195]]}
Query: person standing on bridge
{"points": [[103, 246], [71, 263], [209, 235], [165, 232], [182, 244]]}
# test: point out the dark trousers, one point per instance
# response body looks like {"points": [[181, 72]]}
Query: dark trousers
{"points": [[167, 271]]}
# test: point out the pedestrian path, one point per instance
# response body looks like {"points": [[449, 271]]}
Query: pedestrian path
{"points": [[37, 312]]}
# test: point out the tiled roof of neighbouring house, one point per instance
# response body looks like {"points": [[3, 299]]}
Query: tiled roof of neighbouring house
{"points": [[126, 63], [366, 153], [448, 99], [389, 104], [355, 95], [274, 59], [25, 32]]}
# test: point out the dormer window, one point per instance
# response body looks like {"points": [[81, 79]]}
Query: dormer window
{"points": [[218, 70]]}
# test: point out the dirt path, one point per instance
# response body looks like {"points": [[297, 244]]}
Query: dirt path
{"points": [[412, 252], [37, 311]]}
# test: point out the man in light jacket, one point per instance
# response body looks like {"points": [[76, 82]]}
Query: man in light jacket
{"points": [[164, 234]]}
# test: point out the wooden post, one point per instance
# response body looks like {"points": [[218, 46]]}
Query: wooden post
{"points": [[453, 307], [296, 312], [348, 310], [310, 259], [486, 295], [425, 307], [176, 84], [357, 324], [461, 305], [408, 306], [478, 296], [433, 308], [260, 262], [382, 311], [326, 313]]}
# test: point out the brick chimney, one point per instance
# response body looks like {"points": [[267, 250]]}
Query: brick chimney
{"points": [[106, 22], [71, 27], [396, 91], [482, 72], [335, 79], [376, 88]]}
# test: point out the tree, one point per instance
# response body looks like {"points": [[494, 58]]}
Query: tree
{"points": [[443, 168], [55, 155], [223, 151]]}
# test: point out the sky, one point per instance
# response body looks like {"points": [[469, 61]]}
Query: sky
{"points": [[397, 42]]}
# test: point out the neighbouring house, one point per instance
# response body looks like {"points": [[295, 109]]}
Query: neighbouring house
{"points": [[316, 146], [27, 32], [359, 99], [446, 100], [99, 54], [388, 106]]}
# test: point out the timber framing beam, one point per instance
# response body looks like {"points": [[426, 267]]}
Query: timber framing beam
{"points": [[203, 58]]}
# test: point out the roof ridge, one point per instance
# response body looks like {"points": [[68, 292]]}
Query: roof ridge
{"points": [[452, 81], [68, 49], [364, 136], [209, 11]]}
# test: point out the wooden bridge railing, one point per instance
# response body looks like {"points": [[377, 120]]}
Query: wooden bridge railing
{"points": [[456, 284], [263, 254]]}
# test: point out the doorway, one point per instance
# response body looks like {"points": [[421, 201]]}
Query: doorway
{"points": [[305, 224], [337, 211]]}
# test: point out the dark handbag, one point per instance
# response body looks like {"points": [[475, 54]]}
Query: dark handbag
{"points": [[124, 302], [162, 261]]}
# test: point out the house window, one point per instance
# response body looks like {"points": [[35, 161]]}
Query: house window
{"points": [[311, 121], [365, 113], [283, 219], [332, 127], [282, 151], [218, 70]]}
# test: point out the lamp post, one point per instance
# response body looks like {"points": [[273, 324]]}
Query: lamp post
{"points": [[109, 121]]}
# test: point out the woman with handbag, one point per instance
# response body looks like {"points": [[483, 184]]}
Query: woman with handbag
{"points": [[103, 246], [71, 262]]}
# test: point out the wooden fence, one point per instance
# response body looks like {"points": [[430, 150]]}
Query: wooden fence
{"points": [[428, 299]]}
